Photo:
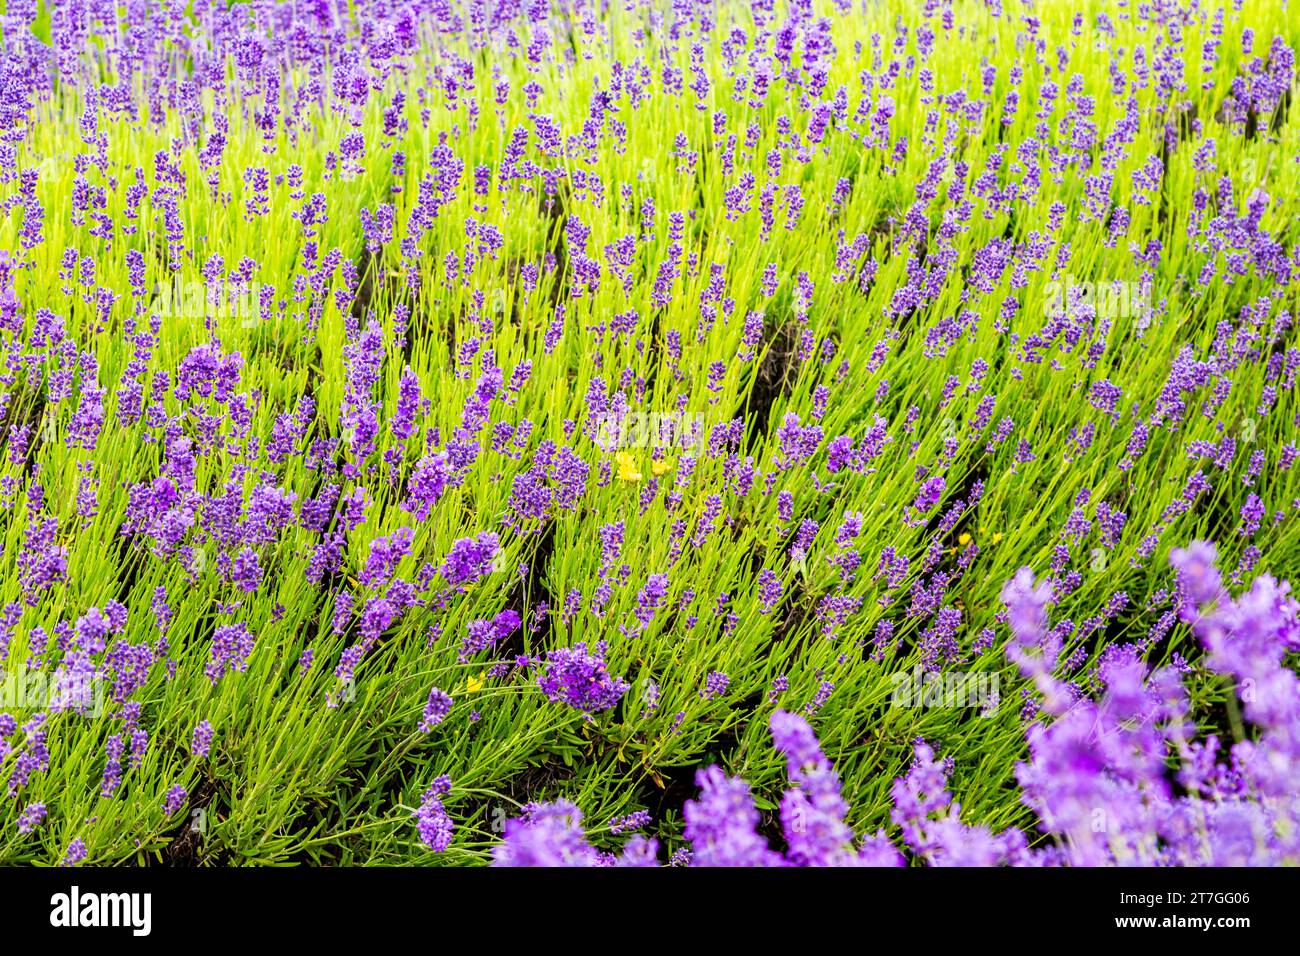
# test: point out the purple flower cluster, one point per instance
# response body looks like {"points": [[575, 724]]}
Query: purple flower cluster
{"points": [[231, 645], [201, 742], [432, 821], [579, 678], [552, 835], [435, 710], [1096, 776], [175, 800], [483, 634], [721, 823], [470, 558], [31, 818]]}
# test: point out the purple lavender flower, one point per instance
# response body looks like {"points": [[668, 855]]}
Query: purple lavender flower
{"points": [[435, 710], [721, 824], [231, 645], [470, 558], [715, 685], [75, 853], [435, 826], [813, 810], [201, 741], [549, 835], [482, 634], [176, 799], [580, 679], [31, 818], [629, 821]]}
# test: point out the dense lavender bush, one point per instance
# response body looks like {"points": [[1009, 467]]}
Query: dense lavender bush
{"points": [[1098, 777], [409, 409]]}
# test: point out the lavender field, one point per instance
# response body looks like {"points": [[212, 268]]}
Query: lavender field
{"points": [[649, 432]]}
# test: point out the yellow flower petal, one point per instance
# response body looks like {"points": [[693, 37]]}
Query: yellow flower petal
{"points": [[627, 469]]}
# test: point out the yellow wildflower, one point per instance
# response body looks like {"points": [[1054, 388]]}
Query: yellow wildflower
{"points": [[627, 469]]}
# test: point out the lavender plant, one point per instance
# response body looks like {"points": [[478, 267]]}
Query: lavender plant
{"points": [[1100, 777], [413, 412]]}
